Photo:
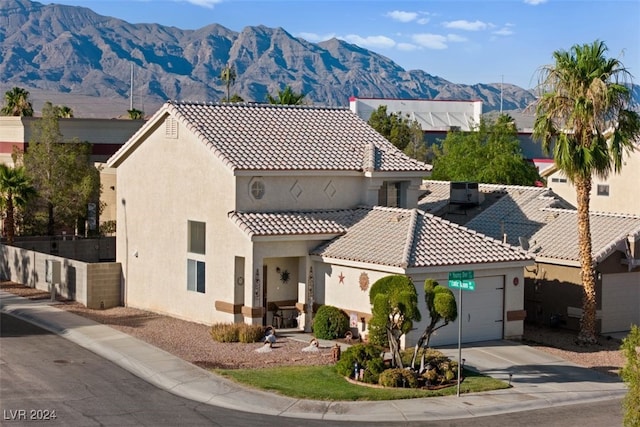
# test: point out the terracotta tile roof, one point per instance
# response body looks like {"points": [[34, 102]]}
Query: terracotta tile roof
{"points": [[558, 238], [296, 223], [412, 238], [548, 224], [519, 212], [275, 137]]}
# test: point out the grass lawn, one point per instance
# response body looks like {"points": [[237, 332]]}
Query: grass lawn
{"points": [[324, 383]]}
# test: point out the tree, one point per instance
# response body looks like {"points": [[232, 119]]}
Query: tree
{"points": [[394, 309], [286, 97], [62, 175], [16, 190], [63, 112], [490, 153], [17, 103], [442, 308], [234, 98], [585, 112], [135, 114], [228, 76], [630, 373], [400, 131]]}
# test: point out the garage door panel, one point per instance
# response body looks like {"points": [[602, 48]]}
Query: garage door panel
{"points": [[482, 314], [620, 301]]}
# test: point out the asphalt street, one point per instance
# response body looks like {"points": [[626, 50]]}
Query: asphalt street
{"points": [[43, 375]]}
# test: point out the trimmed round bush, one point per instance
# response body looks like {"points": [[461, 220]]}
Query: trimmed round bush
{"points": [[367, 356], [330, 323], [398, 377]]}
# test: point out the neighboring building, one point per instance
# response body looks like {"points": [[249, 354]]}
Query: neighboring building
{"points": [[432, 115], [438, 117], [228, 211], [615, 194], [105, 135], [546, 226]]}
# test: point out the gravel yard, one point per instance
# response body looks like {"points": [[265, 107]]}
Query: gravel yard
{"points": [[192, 342]]}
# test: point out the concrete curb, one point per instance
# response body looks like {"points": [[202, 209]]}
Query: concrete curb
{"points": [[167, 372]]}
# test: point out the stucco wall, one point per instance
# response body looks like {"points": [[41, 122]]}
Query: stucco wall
{"points": [[96, 285], [164, 184], [87, 250], [622, 188], [348, 295]]}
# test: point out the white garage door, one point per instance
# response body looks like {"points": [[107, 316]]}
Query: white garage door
{"points": [[482, 314], [620, 301]]}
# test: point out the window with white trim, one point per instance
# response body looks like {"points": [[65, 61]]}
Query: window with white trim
{"points": [[196, 249], [195, 276]]}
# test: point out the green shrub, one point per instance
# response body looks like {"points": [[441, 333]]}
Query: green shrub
{"points": [[398, 377], [367, 356], [330, 323], [630, 373], [439, 368], [250, 333]]}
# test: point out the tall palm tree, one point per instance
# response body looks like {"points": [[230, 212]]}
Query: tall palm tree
{"points": [[15, 189], [585, 113], [17, 103], [286, 97], [228, 76]]}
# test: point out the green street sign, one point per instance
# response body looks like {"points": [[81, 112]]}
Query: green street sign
{"points": [[462, 280], [461, 275]]}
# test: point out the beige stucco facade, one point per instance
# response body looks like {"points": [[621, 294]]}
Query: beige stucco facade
{"points": [[616, 194], [167, 179]]}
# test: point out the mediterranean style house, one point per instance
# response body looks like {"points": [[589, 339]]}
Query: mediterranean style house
{"points": [[614, 193], [545, 225], [252, 212]]}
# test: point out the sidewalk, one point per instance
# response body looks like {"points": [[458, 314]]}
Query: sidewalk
{"points": [[539, 380]]}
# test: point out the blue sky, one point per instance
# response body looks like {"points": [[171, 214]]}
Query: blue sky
{"points": [[482, 41]]}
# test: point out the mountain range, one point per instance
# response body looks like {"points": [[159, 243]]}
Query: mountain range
{"points": [[68, 54]]}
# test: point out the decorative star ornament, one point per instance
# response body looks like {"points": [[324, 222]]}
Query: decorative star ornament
{"points": [[341, 278]]}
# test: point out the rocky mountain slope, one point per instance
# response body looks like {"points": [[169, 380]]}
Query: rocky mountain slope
{"points": [[54, 50]]}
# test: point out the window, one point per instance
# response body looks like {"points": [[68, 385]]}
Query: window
{"points": [[195, 276], [195, 264], [393, 194], [558, 179], [257, 189], [197, 231], [603, 189]]}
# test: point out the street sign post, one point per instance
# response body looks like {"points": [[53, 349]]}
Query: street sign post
{"points": [[461, 280]]}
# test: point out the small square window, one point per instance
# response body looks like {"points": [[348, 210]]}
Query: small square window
{"points": [[603, 189]]}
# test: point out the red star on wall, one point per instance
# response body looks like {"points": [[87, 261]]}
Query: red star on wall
{"points": [[341, 278]]}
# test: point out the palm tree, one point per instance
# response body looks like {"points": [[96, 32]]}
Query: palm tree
{"points": [[17, 103], [135, 114], [228, 76], [286, 97], [585, 112], [63, 112], [15, 189]]}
